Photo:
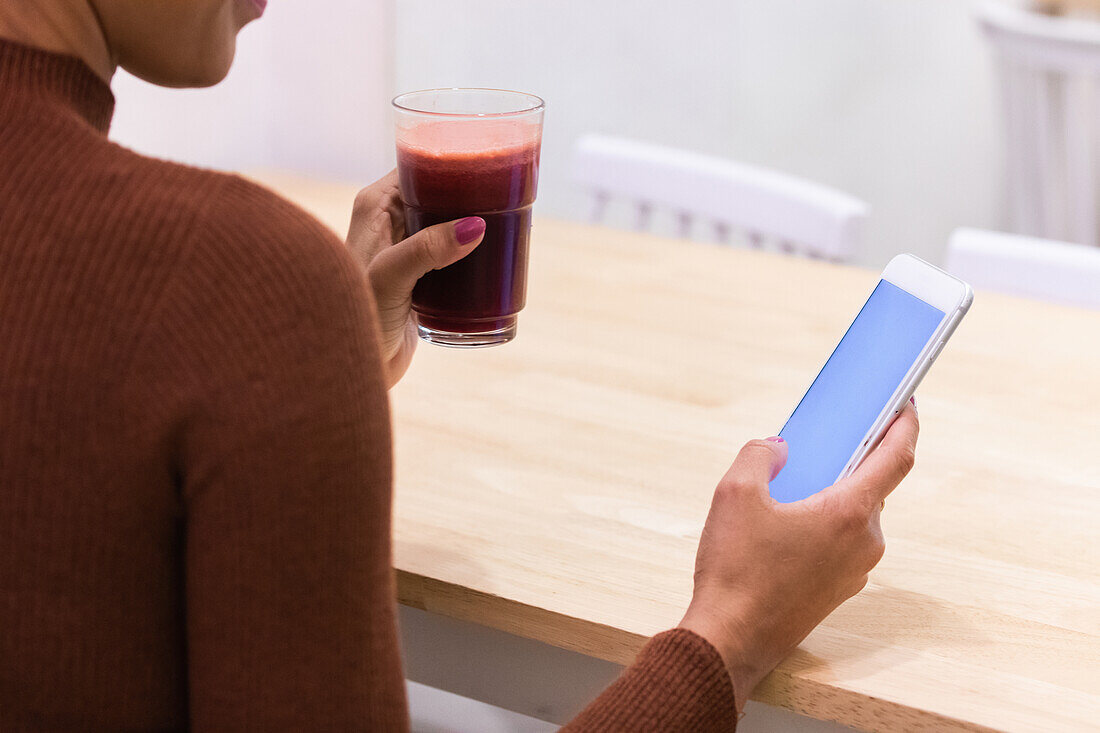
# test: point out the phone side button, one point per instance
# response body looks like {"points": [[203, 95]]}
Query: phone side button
{"points": [[936, 351]]}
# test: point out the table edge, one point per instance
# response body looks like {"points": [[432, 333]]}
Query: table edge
{"points": [[782, 688]]}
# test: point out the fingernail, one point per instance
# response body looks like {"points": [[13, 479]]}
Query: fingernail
{"points": [[469, 229], [913, 400], [775, 439]]}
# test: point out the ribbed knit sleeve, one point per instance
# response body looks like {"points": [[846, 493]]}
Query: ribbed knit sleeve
{"points": [[678, 684], [285, 465]]}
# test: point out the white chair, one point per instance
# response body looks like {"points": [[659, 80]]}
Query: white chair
{"points": [[1058, 272], [1050, 91], [767, 207]]}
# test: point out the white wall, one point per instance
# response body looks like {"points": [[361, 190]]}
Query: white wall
{"points": [[309, 91], [890, 100]]}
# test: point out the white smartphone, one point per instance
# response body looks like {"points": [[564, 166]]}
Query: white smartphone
{"points": [[872, 373]]}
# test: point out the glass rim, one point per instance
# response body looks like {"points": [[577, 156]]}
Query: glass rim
{"points": [[539, 103]]}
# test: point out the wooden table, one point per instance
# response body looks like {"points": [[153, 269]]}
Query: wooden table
{"points": [[554, 488], [1061, 7]]}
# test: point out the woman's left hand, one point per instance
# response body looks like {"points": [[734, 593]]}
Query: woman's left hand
{"points": [[395, 262]]}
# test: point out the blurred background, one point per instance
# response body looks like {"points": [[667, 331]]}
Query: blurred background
{"points": [[899, 103]]}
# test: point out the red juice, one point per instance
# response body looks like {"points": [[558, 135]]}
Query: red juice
{"points": [[493, 176]]}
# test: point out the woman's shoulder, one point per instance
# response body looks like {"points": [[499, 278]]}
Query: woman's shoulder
{"points": [[233, 202], [209, 205], [229, 234], [243, 211]]}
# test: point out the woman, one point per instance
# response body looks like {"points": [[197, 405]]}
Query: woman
{"points": [[194, 433]]}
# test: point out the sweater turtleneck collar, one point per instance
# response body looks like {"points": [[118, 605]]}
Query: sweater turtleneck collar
{"points": [[66, 79]]}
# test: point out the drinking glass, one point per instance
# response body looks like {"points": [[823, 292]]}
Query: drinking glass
{"points": [[471, 152]]}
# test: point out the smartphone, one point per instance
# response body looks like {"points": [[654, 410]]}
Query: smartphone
{"points": [[872, 373]]}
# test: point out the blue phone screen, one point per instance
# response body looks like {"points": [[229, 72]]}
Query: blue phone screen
{"points": [[852, 388]]}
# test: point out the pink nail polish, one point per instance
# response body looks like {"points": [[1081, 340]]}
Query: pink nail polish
{"points": [[469, 229], [775, 439], [913, 400]]}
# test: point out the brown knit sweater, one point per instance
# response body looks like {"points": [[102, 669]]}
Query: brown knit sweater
{"points": [[195, 453]]}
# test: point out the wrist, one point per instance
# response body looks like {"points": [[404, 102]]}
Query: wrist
{"points": [[722, 632]]}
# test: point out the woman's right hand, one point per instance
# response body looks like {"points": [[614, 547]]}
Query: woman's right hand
{"points": [[394, 261], [767, 573]]}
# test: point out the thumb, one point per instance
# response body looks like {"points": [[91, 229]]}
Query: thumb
{"points": [[888, 464], [396, 269], [757, 464]]}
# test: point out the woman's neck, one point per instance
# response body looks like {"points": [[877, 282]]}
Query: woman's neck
{"points": [[62, 26]]}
